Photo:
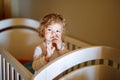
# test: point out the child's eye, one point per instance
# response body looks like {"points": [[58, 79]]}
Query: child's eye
{"points": [[57, 31], [49, 29]]}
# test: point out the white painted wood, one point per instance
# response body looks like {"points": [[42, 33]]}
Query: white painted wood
{"points": [[17, 75], [59, 65], [96, 72], [4, 69], [20, 34], [16, 65], [4, 42], [76, 42], [12, 73], [8, 71], [72, 58], [19, 22], [1, 67]]}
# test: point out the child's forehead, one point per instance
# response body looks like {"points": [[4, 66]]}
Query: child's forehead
{"points": [[55, 26]]}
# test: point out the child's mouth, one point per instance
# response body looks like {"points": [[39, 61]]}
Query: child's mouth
{"points": [[53, 39]]}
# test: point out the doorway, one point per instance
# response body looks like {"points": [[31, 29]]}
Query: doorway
{"points": [[5, 9]]}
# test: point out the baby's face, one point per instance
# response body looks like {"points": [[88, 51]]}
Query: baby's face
{"points": [[53, 32]]}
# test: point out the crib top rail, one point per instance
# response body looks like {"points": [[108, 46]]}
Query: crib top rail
{"points": [[62, 63], [76, 42], [19, 22]]}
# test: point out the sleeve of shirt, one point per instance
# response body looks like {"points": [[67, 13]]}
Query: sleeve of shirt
{"points": [[38, 59], [38, 51]]}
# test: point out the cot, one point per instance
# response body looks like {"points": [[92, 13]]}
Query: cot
{"points": [[18, 38]]}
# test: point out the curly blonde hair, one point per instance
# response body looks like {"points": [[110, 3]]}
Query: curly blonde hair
{"points": [[49, 20]]}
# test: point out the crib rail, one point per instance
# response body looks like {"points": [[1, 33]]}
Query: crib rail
{"points": [[11, 69], [73, 44], [99, 55]]}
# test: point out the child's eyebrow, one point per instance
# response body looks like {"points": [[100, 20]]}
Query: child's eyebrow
{"points": [[49, 27]]}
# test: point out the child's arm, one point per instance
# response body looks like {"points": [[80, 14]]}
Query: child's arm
{"points": [[39, 59]]}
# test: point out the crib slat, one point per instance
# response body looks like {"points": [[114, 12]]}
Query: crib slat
{"points": [[1, 67], [76, 42], [70, 47], [12, 73], [4, 78], [18, 76], [8, 71], [77, 47]]}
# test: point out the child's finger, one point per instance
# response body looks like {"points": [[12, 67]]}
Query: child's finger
{"points": [[49, 44], [53, 49]]}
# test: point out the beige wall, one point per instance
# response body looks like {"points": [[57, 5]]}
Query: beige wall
{"points": [[93, 21], [15, 8]]}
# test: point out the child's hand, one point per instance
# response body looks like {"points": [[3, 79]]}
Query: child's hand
{"points": [[50, 49], [58, 41]]}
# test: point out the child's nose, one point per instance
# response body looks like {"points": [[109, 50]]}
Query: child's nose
{"points": [[53, 33]]}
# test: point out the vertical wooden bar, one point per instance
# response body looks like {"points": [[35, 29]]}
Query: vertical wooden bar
{"points": [[8, 71], [12, 73], [18, 76], [4, 78], [70, 46], [0, 67]]}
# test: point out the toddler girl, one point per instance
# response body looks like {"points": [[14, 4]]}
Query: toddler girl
{"points": [[52, 28]]}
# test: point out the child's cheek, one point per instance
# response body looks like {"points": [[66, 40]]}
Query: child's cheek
{"points": [[59, 36], [47, 36]]}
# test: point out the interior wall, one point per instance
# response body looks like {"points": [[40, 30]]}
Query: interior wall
{"points": [[92, 21], [15, 8]]}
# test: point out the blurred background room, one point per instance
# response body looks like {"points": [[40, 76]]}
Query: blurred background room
{"points": [[96, 22]]}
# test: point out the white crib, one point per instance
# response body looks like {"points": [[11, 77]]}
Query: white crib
{"points": [[93, 63], [83, 62], [19, 35]]}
